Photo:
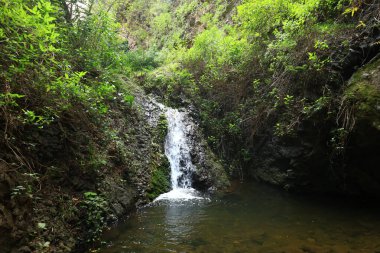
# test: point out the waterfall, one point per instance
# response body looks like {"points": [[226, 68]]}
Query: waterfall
{"points": [[177, 150]]}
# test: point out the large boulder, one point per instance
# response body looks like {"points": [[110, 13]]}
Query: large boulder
{"points": [[362, 102]]}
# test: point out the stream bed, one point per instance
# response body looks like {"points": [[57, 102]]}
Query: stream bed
{"points": [[251, 218]]}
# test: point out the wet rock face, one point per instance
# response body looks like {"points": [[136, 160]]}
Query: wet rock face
{"points": [[209, 174], [119, 195], [152, 110], [299, 162]]}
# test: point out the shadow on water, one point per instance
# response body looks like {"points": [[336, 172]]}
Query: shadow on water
{"points": [[253, 218]]}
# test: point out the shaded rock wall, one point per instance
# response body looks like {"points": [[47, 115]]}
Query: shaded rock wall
{"points": [[362, 102], [309, 161]]}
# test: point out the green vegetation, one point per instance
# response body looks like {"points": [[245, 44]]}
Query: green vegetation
{"points": [[160, 167], [162, 128], [267, 62], [252, 69], [95, 209], [160, 182], [64, 83], [50, 66]]}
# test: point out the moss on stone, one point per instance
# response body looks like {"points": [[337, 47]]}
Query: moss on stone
{"points": [[363, 93], [160, 172], [162, 128], [160, 179]]}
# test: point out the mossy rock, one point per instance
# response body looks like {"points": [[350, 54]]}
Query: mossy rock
{"points": [[363, 93], [210, 173], [160, 179], [162, 128]]}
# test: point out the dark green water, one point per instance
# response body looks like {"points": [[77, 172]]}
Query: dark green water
{"points": [[253, 218]]}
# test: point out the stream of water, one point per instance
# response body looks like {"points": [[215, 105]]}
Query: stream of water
{"points": [[251, 217], [177, 150]]}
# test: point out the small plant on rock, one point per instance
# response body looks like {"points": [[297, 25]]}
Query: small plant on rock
{"points": [[95, 208]]}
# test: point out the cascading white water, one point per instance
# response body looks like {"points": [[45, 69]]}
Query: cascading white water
{"points": [[177, 150]]}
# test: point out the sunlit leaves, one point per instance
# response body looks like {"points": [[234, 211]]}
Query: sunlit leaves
{"points": [[30, 117], [216, 49], [10, 99], [30, 32]]}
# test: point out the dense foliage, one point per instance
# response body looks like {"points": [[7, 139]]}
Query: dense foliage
{"points": [[267, 59], [55, 62], [248, 66], [64, 65]]}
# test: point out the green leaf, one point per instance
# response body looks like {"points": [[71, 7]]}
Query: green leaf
{"points": [[129, 99], [90, 194], [42, 47], [41, 225]]}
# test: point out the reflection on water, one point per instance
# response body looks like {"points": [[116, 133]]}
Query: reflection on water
{"points": [[255, 218], [176, 221]]}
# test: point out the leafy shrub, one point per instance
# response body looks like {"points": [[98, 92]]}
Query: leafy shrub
{"points": [[95, 208]]}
